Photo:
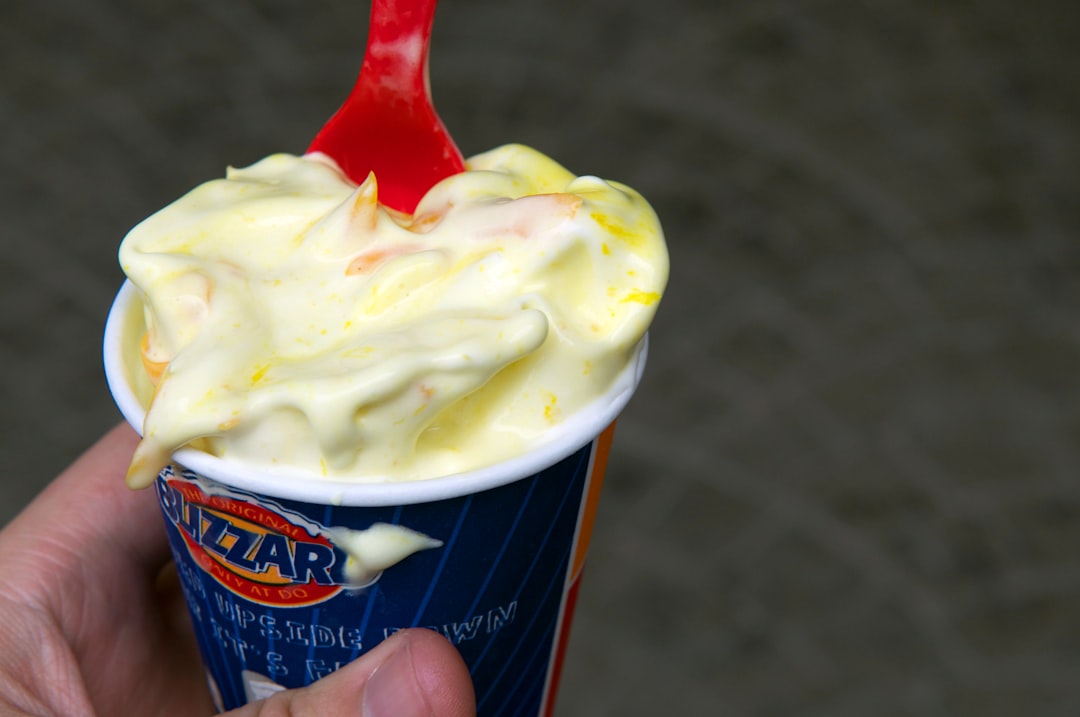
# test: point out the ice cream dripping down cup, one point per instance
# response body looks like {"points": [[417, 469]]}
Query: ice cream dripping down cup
{"points": [[266, 572]]}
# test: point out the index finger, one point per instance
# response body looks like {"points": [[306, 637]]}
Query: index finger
{"points": [[90, 511]]}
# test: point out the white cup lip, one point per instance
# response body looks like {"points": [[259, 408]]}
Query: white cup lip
{"points": [[295, 484]]}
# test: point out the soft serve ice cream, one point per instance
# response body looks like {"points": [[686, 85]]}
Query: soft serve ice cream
{"points": [[292, 320]]}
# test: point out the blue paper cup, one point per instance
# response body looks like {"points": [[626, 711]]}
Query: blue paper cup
{"points": [[265, 582]]}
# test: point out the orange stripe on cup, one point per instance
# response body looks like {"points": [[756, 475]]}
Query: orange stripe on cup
{"points": [[584, 537], [592, 499]]}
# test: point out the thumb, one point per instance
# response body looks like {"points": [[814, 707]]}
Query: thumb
{"points": [[414, 673]]}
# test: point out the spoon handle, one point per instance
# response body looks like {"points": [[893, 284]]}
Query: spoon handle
{"points": [[399, 39], [388, 125]]}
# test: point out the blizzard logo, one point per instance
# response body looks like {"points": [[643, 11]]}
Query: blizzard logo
{"points": [[250, 549]]}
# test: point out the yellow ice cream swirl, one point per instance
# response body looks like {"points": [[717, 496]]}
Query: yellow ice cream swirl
{"points": [[293, 320]]}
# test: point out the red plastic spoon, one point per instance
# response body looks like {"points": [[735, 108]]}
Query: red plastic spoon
{"points": [[388, 125]]}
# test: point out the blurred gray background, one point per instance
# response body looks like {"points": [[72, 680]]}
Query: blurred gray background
{"points": [[849, 484]]}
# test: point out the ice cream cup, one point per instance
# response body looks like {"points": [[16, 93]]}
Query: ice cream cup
{"points": [[264, 578]]}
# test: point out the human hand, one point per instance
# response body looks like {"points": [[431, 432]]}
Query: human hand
{"points": [[92, 620]]}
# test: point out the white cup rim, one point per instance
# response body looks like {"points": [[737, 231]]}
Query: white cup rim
{"points": [[295, 484]]}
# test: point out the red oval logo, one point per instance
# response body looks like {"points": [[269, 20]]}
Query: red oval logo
{"points": [[251, 549]]}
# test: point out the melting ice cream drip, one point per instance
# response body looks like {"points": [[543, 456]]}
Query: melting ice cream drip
{"points": [[373, 550]]}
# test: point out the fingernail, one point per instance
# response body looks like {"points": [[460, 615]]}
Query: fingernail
{"points": [[393, 691]]}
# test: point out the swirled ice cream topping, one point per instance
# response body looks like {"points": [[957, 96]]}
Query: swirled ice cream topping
{"points": [[293, 320]]}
